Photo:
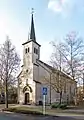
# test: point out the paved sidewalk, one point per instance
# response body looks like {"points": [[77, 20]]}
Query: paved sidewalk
{"points": [[78, 111]]}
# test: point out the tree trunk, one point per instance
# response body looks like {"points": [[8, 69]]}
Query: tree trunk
{"points": [[60, 97], [6, 98]]}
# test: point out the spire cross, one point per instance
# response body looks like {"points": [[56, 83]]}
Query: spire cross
{"points": [[32, 11]]}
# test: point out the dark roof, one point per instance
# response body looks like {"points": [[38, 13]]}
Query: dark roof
{"points": [[19, 74], [37, 81], [30, 41], [50, 67], [32, 36], [32, 32], [55, 70]]}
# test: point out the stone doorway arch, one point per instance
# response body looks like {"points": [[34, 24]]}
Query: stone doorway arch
{"points": [[27, 98], [27, 90]]}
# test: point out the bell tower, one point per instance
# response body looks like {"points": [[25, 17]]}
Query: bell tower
{"points": [[31, 49]]}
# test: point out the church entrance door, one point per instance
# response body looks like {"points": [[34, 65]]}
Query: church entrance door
{"points": [[26, 98]]}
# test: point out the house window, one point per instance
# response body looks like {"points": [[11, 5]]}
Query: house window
{"points": [[26, 50], [70, 89], [74, 91], [65, 88]]}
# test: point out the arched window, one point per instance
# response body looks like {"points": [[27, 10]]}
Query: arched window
{"points": [[34, 50], [26, 50]]}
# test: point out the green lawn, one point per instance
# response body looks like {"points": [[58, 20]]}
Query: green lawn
{"points": [[31, 110], [37, 110], [24, 110]]}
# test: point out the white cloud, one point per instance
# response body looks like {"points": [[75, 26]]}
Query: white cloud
{"points": [[56, 5], [65, 7]]}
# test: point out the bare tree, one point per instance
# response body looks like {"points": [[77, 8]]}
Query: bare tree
{"points": [[68, 57], [57, 56], [9, 64], [71, 51], [57, 60]]}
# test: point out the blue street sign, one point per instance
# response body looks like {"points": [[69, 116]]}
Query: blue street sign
{"points": [[44, 91]]}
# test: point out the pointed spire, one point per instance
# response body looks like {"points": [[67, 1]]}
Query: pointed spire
{"points": [[32, 31]]}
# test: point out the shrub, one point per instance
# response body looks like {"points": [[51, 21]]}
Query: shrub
{"points": [[54, 105], [57, 105], [63, 106]]}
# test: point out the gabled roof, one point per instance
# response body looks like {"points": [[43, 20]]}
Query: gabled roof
{"points": [[55, 70], [19, 74], [48, 66]]}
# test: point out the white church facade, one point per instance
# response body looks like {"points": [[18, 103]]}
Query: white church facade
{"points": [[31, 79]]}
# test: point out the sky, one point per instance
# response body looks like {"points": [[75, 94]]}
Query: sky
{"points": [[53, 20]]}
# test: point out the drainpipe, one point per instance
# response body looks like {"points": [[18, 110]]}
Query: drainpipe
{"points": [[50, 88]]}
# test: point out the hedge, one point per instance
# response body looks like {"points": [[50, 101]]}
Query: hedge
{"points": [[57, 105]]}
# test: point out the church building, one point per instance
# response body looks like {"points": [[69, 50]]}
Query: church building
{"points": [[35, 73]]}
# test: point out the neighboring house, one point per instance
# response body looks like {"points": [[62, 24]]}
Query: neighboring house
{"points": [[31, 78]]}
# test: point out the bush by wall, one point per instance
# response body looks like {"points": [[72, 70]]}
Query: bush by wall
{"points": [[57, 105]]}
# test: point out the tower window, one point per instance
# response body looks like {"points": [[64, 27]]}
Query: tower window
{"points": [[26, 50], [34, 50]]}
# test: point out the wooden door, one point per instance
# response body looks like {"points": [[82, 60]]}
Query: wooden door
{"points": [[26, 98]]}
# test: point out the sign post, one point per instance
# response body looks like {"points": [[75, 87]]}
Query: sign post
{"points": [[44, 91], [44, 104]]}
